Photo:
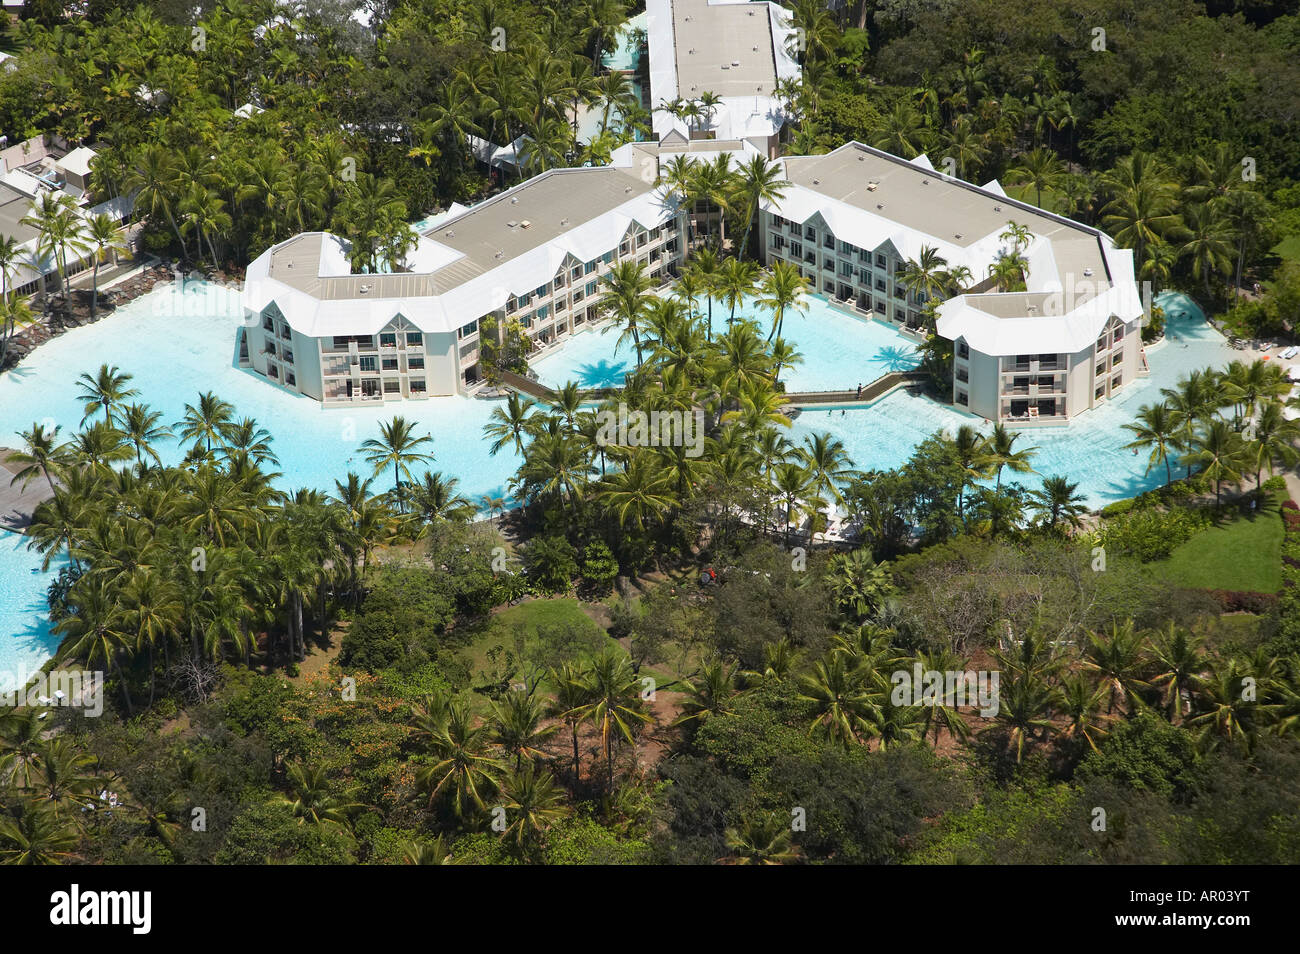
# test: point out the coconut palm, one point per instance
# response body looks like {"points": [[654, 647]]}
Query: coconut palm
{"points": [[1156, 428], [999, 453], [462, 769], [841, 700], [1115, 660], [626, 286], [782, 289], [1059, 502], [532, 803], [516, 725], [1219, 452], [1177, 665], [760, 182], [206, 421], [397, 447], [762, 838], [1271, 441], [1039, 168], [313, 800], [613, 705], [103, 236], [105, 390]]}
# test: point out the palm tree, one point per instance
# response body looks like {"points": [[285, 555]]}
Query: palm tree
{"points": [[517, 727], [1208, 243], [625, 298], [1116, 662], [736, 281], [206, 421], [141, 428], [42, 456], [103, 235], [105, 390], [925, 277], [636, 493], [1272, 440], [1058, 501], [709, 695], [153, 179], [1080, 701], [37, 835], [397, 447], [312, 800], [842, 705], [1040, 168], [1024, 699], [532, 803], [614, 702], [1177, 665], [435, 498], [782, 289], [904, 131], [1157, 428], [762, 839], [1142, 209], [999, 453], [509, 423], [760, 181], [60, 229], [857, 583], [1219, 452], [463, 770], [572, 692]]}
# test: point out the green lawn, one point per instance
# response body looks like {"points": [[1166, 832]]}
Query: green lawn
{"points": [[1288, 248], [1241, 553], [550, 631]]}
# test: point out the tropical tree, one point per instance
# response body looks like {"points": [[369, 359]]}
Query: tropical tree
{"points": [[397, 447]]}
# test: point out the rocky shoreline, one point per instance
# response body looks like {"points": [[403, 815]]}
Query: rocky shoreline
{"points": [[75, 312]]}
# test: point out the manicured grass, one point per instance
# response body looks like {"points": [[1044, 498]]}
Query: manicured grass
{"points": [[1288, 249], [1241, 553]]}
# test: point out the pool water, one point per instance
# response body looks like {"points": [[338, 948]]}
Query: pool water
{"points": [[25, 637], [1089, 451], [625, 56], [840, 351]]}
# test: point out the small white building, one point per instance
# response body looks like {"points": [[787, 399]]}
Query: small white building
{"points": [[736, 50]]}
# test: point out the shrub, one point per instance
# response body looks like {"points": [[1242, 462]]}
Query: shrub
{"points": [[1152, 534], [599, 568], [401, 620], [552, 563], [1246, 601], [1117, 508]]}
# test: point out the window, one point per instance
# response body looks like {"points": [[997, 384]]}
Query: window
{"points": [[388, 340], [268, 345], [390, 364], [543, 289], [289, 379], [880, 261], [810, 234], [591, 288], [340, 342], [365, 341], [466, 330], [880, 306], [368, 363], [417, 385], [268, 323], [1116, 381], [963, 350], [589, 268], [1101, 369], [272, 371], [962, 375], [962, 397], [880, 284], [796, 249], [287, 356], [392, 386], [414, 339], [415, 364], [1100, 392]]}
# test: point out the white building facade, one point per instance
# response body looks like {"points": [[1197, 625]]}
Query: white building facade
{"points": [[536, 254], [852, 219]]}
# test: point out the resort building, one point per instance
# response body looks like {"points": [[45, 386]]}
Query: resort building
{"points": [[533, 254], [735, 50], [853, 218], [29, 171]]}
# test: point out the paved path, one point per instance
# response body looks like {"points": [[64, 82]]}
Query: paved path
{"points": [[17, 504]]}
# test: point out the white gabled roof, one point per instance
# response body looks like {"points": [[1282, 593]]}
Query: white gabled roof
{"points": [[450, 286], [1077, 278]]}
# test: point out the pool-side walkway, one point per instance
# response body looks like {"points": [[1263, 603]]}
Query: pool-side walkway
{"points": [[16, 503]]}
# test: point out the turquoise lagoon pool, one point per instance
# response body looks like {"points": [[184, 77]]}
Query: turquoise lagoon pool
{"points": [[1089, 451], [839, 351], [179, 343]]}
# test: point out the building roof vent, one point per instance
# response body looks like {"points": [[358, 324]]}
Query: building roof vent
{"points": [[511, 224], [450, 233], [514, 200], [525, 224], [1087, 272], [873, 186]]}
